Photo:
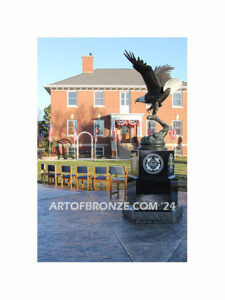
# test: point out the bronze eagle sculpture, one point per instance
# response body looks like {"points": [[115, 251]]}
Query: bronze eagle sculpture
{"points": [[158, 82]]}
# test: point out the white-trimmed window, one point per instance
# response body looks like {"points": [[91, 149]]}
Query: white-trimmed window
{"points": [[124, 102], [150, 124], [100, 125], [177, 125], [177, 99], [99, 98], [70, 125], [71, 98]]}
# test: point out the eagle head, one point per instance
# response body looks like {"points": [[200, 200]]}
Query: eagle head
{"points": [[141, 99]]}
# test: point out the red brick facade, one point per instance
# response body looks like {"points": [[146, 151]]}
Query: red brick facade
{"points": [[85, 113]]}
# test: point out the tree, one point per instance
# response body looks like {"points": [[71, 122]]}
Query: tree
{"points": [[44, 126], [45, 123]]}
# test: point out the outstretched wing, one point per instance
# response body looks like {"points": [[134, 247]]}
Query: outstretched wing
{"points": [[144, 69], [162, 74], [173, 84]]}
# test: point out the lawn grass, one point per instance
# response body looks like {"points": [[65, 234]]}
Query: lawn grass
{"points": [[180, 167]]}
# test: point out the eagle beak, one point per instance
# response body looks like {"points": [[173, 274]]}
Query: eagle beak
{"points": [[141, 99]]}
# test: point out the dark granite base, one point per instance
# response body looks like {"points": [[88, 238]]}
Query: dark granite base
{"points": [[141, 216]]}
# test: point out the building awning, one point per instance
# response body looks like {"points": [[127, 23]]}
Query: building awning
{"points": [[130, 117], [122, 123]]}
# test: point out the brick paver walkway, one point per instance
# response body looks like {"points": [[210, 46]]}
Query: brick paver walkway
{"points": [[103, 236]]}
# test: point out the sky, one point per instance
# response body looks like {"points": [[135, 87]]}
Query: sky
{"points": [[60, 58]]}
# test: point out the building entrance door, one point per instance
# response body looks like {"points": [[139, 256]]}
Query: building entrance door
{"points": [[125, 134]]}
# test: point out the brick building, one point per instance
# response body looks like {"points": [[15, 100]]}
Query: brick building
{"points": [[106, 98]]}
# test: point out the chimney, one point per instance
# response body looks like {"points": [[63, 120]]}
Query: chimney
{"points": [[87, 63]]}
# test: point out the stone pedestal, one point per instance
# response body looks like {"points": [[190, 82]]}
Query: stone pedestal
{"points": [[141, 216], [153, 197]]}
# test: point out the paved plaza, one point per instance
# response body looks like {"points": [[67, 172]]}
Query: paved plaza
{"points": [[103, 235]]}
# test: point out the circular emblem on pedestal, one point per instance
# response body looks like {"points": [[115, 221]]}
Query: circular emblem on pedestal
{"points": [[170, 164], [153, 163]]}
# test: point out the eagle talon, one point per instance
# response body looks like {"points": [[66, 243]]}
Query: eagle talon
{"points": [[152, 117]]}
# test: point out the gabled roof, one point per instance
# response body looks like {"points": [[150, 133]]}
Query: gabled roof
{"points": [[103, 77]]}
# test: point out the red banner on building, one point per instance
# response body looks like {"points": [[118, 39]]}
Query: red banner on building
{"points": [[114, 134], [74, 135], [127, 122], [50, 134], [95, 136], [132, 123]]}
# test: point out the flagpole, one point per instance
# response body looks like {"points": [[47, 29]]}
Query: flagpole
{"points": [[74, 149], [95, 138], [74, 140], [116, 148], [49, 148], [115, 139]]}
